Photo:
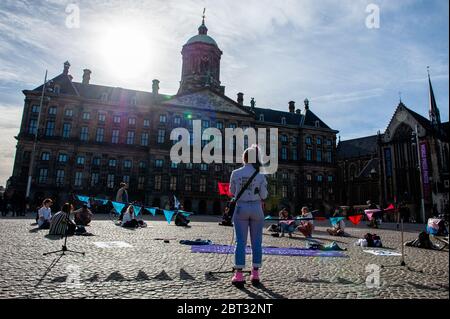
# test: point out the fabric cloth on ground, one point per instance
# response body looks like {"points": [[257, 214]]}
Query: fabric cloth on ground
{"points": [[282, 251], [197, 242]]}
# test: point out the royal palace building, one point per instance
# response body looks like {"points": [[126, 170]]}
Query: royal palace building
{"points": [[92, 137]]}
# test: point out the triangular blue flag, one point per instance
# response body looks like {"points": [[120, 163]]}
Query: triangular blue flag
{"points": [[151, 211], [169, 214], [118, 207], [268, 217], [335, 220], [137, 209], [186, 213], [101, 201], [84, 199]]}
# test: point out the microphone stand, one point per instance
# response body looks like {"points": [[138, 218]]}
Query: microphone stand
{"points": [[64, 249]]}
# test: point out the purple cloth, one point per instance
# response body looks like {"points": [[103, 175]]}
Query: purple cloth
{"points": [[226, 249]]}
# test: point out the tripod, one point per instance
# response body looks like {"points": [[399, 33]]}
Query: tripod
{"points": [[402, 261], [64, 249]]}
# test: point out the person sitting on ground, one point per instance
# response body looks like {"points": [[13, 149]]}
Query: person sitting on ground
{"points": [[45, 214], [306, 227], [287, 222], [83, 216], [181, 219], [227, 218], [130, 220], [62, 223], [374, 222], [338, 229]]}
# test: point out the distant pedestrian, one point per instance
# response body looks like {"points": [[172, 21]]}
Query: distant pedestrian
{"points": [[122, 197]]}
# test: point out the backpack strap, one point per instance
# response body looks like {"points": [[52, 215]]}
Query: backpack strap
{"points": [[241, 192]]}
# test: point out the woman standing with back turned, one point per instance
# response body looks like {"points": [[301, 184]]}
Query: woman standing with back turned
{"points": [[248, 214]]}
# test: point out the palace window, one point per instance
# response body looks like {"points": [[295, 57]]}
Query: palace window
{"points": [[127, 164], [141, 182], [45, 156], [308, 140], [309, 192], [101, 117], [104, 97], [158, 183], [328, 157], [96, 161], [173, 165], [32, 127], [84, 134], [43, 175], [68, 113], [202, 185], [319, 178], [177, 120], [60, 173], [309, 155], [319, 141], [294, 154], [330, 178], [130, 137], [163, 118], [80, 160], [173, 183], [188, 183], [50, 128], [146, 123], [132, 121], [283, 121], [112, 162], [142, 165], [284, 191], [67, 127], [284, 138], [261, 117], [126, 179], [35, 108], [94, 179], [52, 110], [110, 181], [78, 179], [188, 165], [319, 156], [100, 134], [116, 119], [205, 124], [62, 158], [161, 136], [203, 167], [144, 139], [115, 136], [219, 125], [86, 116], [159, 163], [284, 153], [308, 177]]}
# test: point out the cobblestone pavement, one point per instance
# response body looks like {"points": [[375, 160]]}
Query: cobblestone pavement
{"points": [[154, 269]]}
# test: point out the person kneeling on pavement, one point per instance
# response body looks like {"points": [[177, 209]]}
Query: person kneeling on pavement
{"points": [[338, 229], [83, 216]]}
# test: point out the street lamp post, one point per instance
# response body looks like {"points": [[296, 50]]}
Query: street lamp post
{"points": [[30, 170], [422, 200]]}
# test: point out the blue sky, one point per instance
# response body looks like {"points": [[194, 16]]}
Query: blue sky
{"points": [[274, 51]]}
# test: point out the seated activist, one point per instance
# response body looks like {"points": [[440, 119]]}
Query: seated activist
{"points": [[45, 214], [227, 218], [181, 219], [83, 216], [129, 219], [338, 229], [306, 227], [374, 222], [61, 222], [286, 223]]}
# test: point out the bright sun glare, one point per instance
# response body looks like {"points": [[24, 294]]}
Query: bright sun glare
{"points": [[126, 51]]}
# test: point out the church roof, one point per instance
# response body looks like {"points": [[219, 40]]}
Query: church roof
{"points": [[364, 146]]}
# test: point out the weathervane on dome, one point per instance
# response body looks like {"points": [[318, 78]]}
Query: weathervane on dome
{"points": [[203, 16]]}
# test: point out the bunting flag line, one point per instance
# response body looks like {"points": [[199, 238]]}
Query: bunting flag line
{"points": [[224, 189], [151, 211], [169, 215], [355, 219], [137, 209], [102, 201], [84, 199], [370, 212], [118, 207]]}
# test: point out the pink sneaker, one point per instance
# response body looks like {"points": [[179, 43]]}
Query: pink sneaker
{"points": [[254, 277], [238, 279]]}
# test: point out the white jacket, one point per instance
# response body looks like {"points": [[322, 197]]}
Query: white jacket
{"points": [[256, 191]]}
